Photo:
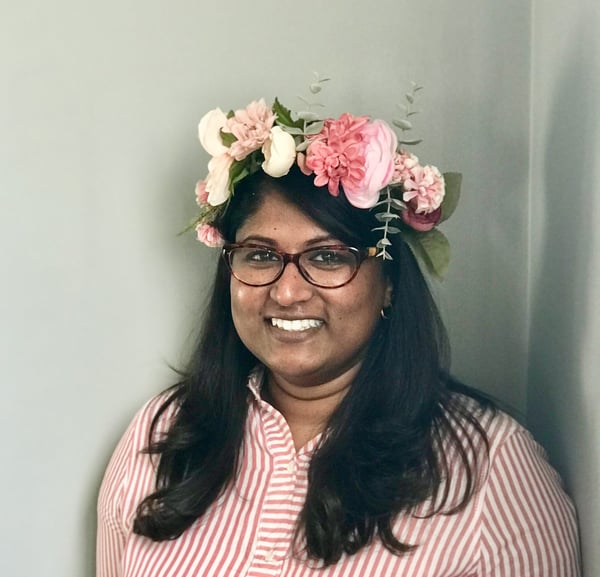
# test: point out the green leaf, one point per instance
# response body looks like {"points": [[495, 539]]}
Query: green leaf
{"points": [[227, 137], [302, 146], [452, 181], [384, 255], [190, 226], [410, 142], [308, 115], [381, 202], [237, 171], [294, 131], [386, 216], [314, 127], [390, 229], [402, 124], [284, 115], [432, 249]]}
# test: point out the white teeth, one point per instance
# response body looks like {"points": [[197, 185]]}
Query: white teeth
{"points": [[296, 325]]}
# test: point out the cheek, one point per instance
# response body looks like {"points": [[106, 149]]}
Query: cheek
{"points": [[367, 300], [360, 309], [238, 298], [245, 306]]}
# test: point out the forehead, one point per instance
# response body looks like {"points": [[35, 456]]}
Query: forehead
{"points": [[279, 221]]}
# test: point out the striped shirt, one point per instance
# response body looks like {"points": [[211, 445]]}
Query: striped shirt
{"points": [[519, 523]]}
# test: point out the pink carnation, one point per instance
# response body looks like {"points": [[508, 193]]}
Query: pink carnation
{"points": [[201, 193], [209, 235], [425, 186], [404, 162], [251, 126]]}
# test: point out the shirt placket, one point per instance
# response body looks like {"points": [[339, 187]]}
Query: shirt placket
{"points": [[280, 507]]}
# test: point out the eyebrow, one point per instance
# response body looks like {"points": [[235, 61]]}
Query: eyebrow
{"points": [[265, 240]]}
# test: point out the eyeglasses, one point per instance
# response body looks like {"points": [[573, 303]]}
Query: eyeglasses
{"points": [[330, 266]]}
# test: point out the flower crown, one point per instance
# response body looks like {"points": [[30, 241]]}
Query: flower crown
{"points": [[362, 156]]}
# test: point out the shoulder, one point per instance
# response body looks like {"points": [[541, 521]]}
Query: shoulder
{"points": [[506, 438], [131, 471], [502, 451], [156, 416], [484, 415], [527, 522], [519, 463], [526, 515]]}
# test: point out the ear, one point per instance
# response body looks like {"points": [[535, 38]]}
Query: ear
{"points": [[389, 291]]}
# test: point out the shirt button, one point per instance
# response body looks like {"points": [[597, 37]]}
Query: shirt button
{"points": [[291, 467], [269, 556]]}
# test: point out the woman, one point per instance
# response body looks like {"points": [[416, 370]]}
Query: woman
{"points": [[316, 431]]}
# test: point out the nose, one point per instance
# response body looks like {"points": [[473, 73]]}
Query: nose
{"points": [[291, 287]]}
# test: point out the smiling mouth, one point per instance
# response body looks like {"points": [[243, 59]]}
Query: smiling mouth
{"points": [[296, 325]]}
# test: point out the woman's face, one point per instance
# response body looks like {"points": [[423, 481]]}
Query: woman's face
{"points": [[342, 319]]}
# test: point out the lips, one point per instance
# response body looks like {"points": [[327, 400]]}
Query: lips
{"points": [[296, 325]]}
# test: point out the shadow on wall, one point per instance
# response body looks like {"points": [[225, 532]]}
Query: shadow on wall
{"points": [[559, 411]]}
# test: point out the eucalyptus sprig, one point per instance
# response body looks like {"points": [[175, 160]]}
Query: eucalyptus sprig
{"points": [[387, 217], [404, 123], [312, 122]]}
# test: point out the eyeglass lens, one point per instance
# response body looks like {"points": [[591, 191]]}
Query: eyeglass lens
{"points": [[324, 266]]}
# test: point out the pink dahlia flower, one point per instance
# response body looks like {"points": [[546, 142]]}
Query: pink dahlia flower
{"points": [[251, 126], [209, 235], [344, 130], [425, 188], [336, 154]]}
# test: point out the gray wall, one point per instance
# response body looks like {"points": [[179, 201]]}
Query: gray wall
{"points": [[98, 161], [564, 373]]}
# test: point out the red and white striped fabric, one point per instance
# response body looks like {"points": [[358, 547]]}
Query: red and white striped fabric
{"points": [[520, 523]]}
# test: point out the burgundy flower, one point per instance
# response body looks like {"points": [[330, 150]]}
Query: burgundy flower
{"points": [[419, 221]]}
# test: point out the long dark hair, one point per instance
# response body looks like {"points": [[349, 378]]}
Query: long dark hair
{"points": [[382, 454]]}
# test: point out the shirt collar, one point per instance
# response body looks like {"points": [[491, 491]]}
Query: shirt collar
{"points": [[255, 382]]}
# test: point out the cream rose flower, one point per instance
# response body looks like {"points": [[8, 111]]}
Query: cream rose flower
{"points": [[209, 131], [279, 151], [217, 181]]}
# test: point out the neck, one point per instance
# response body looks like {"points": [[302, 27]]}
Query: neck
{"points": [[306, 409]]}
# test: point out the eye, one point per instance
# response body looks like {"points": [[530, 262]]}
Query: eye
{"points": [[330, 258], [259, 255]]}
